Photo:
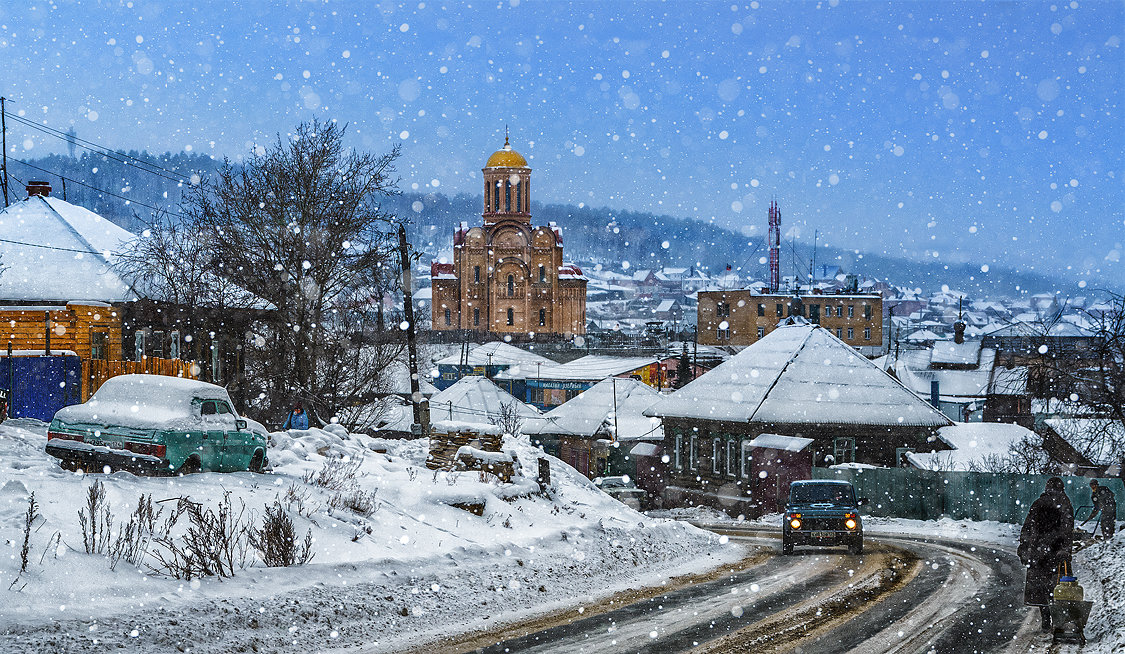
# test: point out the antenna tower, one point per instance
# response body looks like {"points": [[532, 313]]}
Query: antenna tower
{"points": [[775, 246]]}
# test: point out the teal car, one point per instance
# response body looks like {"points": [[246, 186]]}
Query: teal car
{"points": [[822, 512], [157, 425]]}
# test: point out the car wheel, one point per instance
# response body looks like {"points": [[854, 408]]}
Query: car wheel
{"points": [[786, 546], [191, 465], [256, 461], [856, 546]]}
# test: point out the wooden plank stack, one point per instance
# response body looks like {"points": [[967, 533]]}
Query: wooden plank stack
{"points": [[444, 446]]}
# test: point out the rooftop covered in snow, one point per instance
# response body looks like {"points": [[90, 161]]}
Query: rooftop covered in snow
{"points": [[496, 353], [800, 374], [610, 407]]}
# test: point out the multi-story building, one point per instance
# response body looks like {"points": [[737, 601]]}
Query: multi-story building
{"points": [[508, 277], [743, 317]]}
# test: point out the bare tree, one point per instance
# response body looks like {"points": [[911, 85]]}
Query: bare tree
{"points": [[509, 418], [298, 225]]}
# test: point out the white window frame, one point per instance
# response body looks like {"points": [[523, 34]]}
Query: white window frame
{"points": [[851, 311], [867, 333], [746, 459], [693, 451], [851, 333], [679, 447], [761, 332]]}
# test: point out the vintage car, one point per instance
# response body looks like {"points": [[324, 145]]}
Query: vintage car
{"points": [[623, 490], [822, 512], [156, 424]]}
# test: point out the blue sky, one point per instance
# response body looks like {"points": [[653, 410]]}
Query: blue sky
{"points": [[986, 132]]}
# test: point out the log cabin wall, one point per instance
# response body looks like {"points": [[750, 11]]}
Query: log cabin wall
{"points": [[90, 330]]}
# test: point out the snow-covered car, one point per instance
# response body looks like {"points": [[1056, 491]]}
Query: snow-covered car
{"points": [[822, 512], [623, 490], [156, 424]]}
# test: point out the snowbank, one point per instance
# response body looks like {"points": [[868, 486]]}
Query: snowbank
{"points": [[396, 561], [1101, 571]]}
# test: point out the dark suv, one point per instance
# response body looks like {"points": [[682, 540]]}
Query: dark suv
{"points": [[822, 512]]}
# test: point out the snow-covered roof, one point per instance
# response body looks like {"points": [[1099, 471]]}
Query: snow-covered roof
{"points": [[799, 374], [924, 335], [497, 353], [665, 305], [982, 446], [591, 413], [1100, 440], [56, 251], [474, 399], [954, 353], [593, 367], [779, 442], [144, 402]]}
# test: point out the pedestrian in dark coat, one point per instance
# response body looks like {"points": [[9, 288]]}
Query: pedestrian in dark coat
{"points": [[1045, 545], [1106, 504], [297, 418]]}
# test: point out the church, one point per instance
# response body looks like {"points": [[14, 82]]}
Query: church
{"points": [[507, 277]]}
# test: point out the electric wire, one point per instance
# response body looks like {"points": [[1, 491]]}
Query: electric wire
{"points": [[100, 190]]}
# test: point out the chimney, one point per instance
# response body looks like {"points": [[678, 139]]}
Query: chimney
{"points": [[38, 188], [959, 332]]}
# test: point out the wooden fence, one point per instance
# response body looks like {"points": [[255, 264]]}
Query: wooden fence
{"points": [[929, 494], [95, 372]]}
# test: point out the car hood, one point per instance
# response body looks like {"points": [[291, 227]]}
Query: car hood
{"points": [[821, 508]]}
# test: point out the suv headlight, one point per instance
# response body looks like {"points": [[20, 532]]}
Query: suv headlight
{"points": [[850, 523], [795, 523]]}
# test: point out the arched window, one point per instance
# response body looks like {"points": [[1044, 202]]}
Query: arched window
{"points": [[511, 287], [542, 274], [511, 316], [519, 197], [507, 197], [496, 197]]}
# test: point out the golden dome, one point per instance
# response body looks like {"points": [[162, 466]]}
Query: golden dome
{"points": [[506, 157]]}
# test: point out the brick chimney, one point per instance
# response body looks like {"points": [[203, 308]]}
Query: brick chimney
{"points": [[38, 188]]}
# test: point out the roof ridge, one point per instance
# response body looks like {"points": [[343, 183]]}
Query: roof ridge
{"points": [[81, 239], [781, 372]]}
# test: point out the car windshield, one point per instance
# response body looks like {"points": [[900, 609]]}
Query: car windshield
{"points": [[818, 493]]}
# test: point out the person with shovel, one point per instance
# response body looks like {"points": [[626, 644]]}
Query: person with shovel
{"points": [[1106, 504]]}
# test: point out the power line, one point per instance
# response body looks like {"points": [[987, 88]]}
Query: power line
{"points": [[49, 247], [99, 190], [115, 155]]}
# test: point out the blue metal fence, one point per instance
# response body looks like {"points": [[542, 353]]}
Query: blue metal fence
{"points": [[38, 386], [929, 495]]}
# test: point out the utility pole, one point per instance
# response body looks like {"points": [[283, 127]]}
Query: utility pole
{"points": [[4, 143], [421, 416]]}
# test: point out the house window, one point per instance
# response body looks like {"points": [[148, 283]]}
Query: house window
{"points": [[99, 346], [761, 332], [839, 310], [542, 274], [724, 332], [851, 311], [814, 314], [693, 451], [716, 456], [542, 317], [839, 332], [476, 274], [844, 450], [216, 363], [139, 346], [780, 310], [447, 317], [867, 311], [722, 309], [679, 448], [158, 345], [761, 309], [511, 316], [867, 333], [732, 457], [476, 315], [851, 333], [747, 458], [174, 345]]}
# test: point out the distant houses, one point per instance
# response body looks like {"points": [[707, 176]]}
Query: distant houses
{"points": [[799, 381], [550, 386]]}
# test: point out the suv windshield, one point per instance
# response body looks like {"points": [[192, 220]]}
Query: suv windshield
{"points": [[816, 493]]}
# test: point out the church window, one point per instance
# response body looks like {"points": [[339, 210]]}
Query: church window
{"points": [[496, 197], [476, 315], [542, 317], [519, 197], [511, 286], [542, 274], [476, 274], [447, 318], [511, 316], [507, 197]]}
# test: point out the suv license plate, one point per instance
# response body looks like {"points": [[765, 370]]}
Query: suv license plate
{"points": [[824, 534]]}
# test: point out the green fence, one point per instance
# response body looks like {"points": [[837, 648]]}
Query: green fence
{"points": [[928, 495]]}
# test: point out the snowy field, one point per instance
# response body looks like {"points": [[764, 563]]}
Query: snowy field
{"points": [[394, 564]]}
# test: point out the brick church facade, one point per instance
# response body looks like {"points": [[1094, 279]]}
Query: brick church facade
{"points": [[508, 277]]}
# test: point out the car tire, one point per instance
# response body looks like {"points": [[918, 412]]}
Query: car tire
{"points": [[856, 546], [191, 465], [786, 546], [257, 462]]}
